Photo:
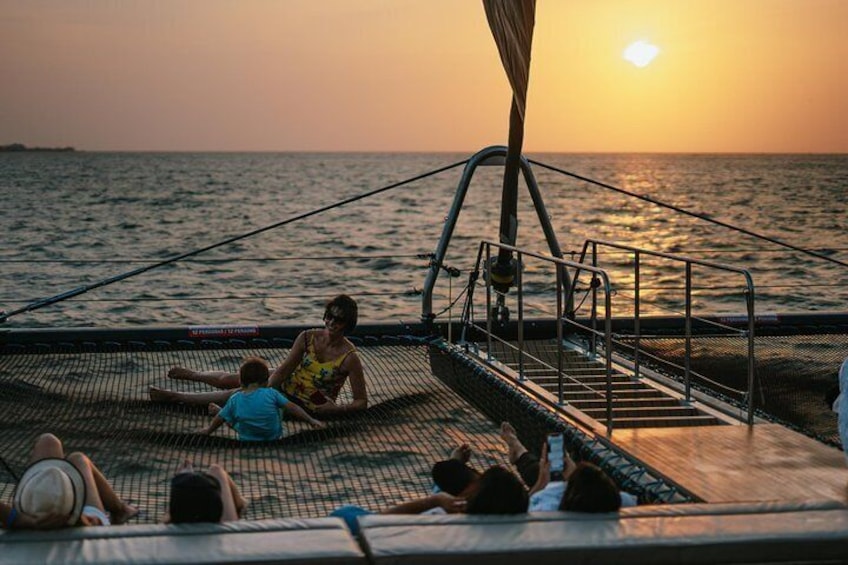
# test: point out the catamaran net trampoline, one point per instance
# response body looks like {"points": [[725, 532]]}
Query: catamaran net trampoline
{"points": [[95, 399]]}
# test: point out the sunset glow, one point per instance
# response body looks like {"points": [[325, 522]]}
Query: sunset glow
{"points": [[641, 53], [421, 75]]}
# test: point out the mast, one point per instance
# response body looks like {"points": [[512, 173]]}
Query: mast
{"points": [[511, 22]]}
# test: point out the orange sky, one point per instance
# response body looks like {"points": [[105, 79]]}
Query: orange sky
{"points": [[421, 75]]}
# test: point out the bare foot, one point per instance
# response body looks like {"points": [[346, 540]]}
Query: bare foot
{"points": [[127, 512], [180, 373], [516, 449], [461, 453], [213, 409], [161, 395]]}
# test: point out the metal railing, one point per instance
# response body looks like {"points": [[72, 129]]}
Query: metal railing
{"points": [[590, 248], [484, 263]]}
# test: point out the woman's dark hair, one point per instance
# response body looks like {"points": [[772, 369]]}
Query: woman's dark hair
{"points": [[347, 306], [498, 492], [589, 489], [195, 497], [254, 370]]}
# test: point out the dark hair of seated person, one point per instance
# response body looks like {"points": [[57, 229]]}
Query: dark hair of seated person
{"points": [[498, 492], [348, 309], [195, 497], [589, 489], [253, 371]]}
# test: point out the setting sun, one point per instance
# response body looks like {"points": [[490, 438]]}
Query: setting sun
{"points": [[641, 53]]}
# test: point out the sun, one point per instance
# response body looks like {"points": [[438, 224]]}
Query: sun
{"points": [[641, 53]]}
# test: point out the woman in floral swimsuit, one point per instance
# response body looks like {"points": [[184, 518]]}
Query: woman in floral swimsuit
{"points": [[315, 370]]}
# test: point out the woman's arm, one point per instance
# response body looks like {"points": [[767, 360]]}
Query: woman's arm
{"points": [[356, 377], [289, 364], [544, 471], [301, 414], [451, 504], [12, 519]]}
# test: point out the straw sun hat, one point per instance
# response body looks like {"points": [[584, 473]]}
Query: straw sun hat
{"points": [[51, 486]]}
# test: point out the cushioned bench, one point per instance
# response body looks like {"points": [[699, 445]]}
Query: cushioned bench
{"points": [[320, 541], [691, 533]]}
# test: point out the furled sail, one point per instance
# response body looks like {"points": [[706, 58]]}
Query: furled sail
{"points": [[511, 22]]}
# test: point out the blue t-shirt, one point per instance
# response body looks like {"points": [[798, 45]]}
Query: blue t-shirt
{"points": [[255, 415]]}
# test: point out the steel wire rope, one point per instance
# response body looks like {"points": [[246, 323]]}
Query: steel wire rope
{"points": [[225, 259], [688, 213], [123, 276]]}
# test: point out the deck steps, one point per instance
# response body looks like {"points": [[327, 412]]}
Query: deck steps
{"points": [[635, 403]]}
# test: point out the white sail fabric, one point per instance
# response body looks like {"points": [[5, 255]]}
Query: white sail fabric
{"points": [[511, 22]]}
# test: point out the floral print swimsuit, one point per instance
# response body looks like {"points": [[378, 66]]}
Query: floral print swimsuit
{"points": [[312, 382]]}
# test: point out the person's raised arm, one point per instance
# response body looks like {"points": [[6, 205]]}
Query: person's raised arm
{"points": [[544, 471], [353, 365], [290, 363]]}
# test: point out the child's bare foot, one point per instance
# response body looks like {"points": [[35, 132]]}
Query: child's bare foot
{"points": [[515, 447], [180, 373], [213, 409], [461, 453], [161, 395], [125, 513]]}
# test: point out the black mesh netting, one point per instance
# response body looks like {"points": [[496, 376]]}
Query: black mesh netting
{"points": [[97, 402]]}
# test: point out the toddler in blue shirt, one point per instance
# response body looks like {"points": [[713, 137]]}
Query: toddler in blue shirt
{"points": [[254, 410]]}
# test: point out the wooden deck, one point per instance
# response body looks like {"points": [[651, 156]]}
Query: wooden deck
{"points": [[766, 462]]}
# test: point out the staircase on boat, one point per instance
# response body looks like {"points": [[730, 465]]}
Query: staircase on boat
{"points": [[636, 402]]}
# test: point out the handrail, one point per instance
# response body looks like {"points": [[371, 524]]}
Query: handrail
{"points": [[688, 262], [493, 155], [484, 254]]}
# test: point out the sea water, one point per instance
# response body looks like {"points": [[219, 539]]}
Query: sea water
{"points": [[74, 220]]}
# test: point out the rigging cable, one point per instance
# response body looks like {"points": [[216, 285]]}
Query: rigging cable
{"points": [[688, 213], [117, 278]]}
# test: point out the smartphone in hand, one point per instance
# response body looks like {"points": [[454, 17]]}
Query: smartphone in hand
{"points": [[556, 452]]}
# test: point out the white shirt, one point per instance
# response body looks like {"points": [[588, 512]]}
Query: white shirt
{"points": [[548, 499]]}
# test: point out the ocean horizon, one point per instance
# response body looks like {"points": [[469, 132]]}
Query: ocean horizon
{"points": [[76, 218]]}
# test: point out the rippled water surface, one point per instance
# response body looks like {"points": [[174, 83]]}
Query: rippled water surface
{"points": [[73, 219]]}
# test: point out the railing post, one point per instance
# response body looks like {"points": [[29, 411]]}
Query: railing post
{"points": [[688, 355], [593, 347], [751, 355], [636, 312], [608, 346], [488, 302], [559, 333], [520, 284]]}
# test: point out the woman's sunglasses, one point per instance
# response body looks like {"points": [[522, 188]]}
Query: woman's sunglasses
{"points": [[330, 317]]}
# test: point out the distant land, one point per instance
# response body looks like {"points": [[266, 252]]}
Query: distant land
{"points": [[22, 147]]}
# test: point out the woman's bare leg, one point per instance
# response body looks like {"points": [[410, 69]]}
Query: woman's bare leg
{"points": [[219, 397], [83, 465], [514, 446], [47, 445], [218, 379], [231, 498], [119, 510]]}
